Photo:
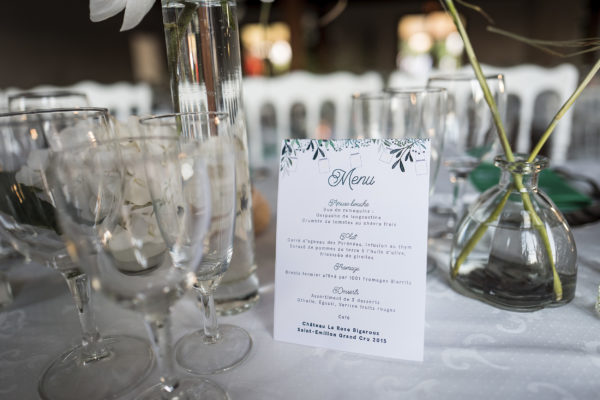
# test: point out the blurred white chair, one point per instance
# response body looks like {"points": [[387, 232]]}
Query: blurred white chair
{"points": [[527, 82], [122, 98], [4, 98], [585, 137], [305, 90]]}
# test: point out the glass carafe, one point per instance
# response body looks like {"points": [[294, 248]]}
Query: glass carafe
{"points": [[514, 248]]}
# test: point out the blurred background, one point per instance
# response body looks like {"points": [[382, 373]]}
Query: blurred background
{"points": [[54, 42]]}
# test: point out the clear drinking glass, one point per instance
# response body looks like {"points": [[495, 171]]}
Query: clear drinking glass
{"points": [[26, 101], [99, 368], [216, 348], [470, 129], [403, 112], [135, 212], [370, 115]]}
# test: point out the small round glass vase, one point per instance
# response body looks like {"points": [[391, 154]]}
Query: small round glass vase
{"points": [[514, 248]]}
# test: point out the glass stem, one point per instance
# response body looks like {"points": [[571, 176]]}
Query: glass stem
{"points": [[159, 329], [458, 187], [209, 315], [92, 347]]}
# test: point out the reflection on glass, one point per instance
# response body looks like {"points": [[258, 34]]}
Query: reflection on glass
{"points": [[470, 129], [99, 368]]}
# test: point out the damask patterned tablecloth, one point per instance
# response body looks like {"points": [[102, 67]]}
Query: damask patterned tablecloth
{"points": [[472, 350]]}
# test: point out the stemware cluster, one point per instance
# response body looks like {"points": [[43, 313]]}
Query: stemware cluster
{"points": [[451, 111], [141, 219], [29, 222], [470, 130]]}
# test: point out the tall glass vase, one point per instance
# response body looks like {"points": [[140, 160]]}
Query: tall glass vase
{"points": [[203, 53]]}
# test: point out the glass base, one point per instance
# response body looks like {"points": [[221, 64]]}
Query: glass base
{"points": [[69, 377], [480, 286], [431, 265], [197, 354], [187, 389], [438, 254], [237, 296], [6, 296]]}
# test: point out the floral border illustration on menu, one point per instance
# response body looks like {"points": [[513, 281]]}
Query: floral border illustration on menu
{"points": [[400, 151]]}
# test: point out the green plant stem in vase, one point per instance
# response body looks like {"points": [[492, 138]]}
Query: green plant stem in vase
{"points": [[537, 215], [174, 32]]}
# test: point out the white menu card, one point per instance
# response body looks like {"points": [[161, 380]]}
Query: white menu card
{"points": [[351, 255]]}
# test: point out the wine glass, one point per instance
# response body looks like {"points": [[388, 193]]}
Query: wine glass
{"points": [[470, 129], [370, 115], [398, 113], [26, 101], [404, 112], [40, 100], [99, 368], [135, 211], [215, 348]]}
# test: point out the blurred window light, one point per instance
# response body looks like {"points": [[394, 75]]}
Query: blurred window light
{"points": [[280, 53], [454, 44], [439, 25], [263, 43], [427, 41], [448, 63], [420, 42]]}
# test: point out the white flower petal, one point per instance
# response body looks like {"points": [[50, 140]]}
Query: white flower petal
{"points": [[103, 9], [134, 12]]}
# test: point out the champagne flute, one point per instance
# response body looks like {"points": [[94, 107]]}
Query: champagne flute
{"points": [[215, 348], [41, 100], [135, 212], [99, 368], [470, 129]]}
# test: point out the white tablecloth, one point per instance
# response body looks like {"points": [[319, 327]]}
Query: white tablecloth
{"points": [[472, 350]]}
